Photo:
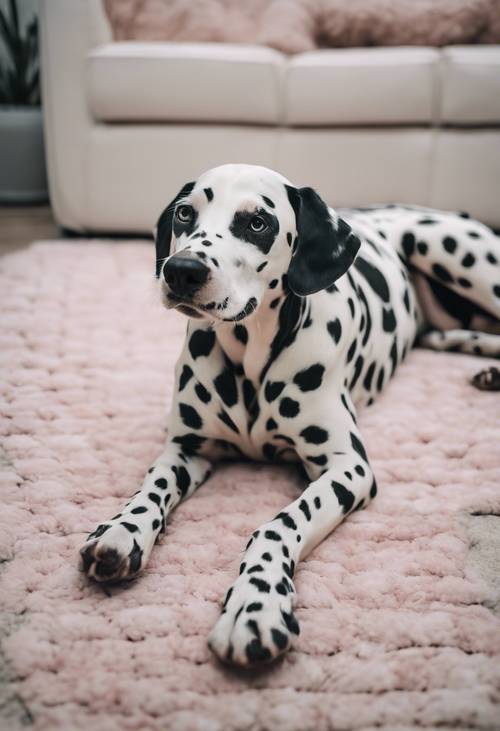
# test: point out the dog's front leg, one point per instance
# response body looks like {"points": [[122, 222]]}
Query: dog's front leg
{"points": [[119, 548], [257, 622]]}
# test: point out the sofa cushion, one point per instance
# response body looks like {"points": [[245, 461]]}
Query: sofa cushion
{"points": [[362, 86], [207, 82], [471, 85]]}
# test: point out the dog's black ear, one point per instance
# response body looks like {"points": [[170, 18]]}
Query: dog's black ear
{"points": [[326, 246], [163, 233]]}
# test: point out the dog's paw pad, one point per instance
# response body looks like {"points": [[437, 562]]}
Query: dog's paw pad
{"points": [[111, 554], [253, 631]]}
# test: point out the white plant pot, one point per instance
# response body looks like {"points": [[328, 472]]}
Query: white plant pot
{"points": [[23, 177]]}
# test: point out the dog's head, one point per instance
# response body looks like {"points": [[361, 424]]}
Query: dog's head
{"points": [[229, 238]]}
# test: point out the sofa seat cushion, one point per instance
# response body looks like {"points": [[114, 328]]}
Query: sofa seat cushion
{"points": [[183, 82], [471, 85], [362, 86]]}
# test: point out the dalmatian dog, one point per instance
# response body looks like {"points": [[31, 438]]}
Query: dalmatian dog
{"points": [[298, 315]]}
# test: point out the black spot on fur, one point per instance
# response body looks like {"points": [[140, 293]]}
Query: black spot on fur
{"points": [[190, 416], [320, 460], [388, 320], [491, 258], [281, 588], [154, 498], [289, 239], [305, 509], [317, 503], [268, 201], [139, 510], [380, 379], [289, 408], [155, 524], [468, 260], [406, 300], [287, 520], [360, 470], [224, 417], [374, 277], [343, 495], [335, 329], [209, 193], [241, 334], [367, 381], [190, 443], [272, 535], [185, 376], [255, 569], [422, 248], [351, 351], [358, 447], [261, 585], [261, 266], [183, 479], [496, 290], [254, 607], [273, 389], [291, 622], [202, 393], [225, 385], [271, 424], [201, 343], [267, 556], [449, 244], [373, 489], [129, 526], [465, 283], [408, 243], [314, 435], [161, 483], [442, 273]]}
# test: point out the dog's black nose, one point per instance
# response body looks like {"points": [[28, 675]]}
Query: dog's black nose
{"points": [[185, 275]]}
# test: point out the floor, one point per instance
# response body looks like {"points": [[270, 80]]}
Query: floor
{"points": [[19, 225]]}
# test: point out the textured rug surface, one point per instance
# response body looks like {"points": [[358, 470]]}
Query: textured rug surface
{"points": [[395, 626]]}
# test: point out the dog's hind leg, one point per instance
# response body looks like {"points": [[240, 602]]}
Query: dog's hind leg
{"points": [[257, 622], [119, 548]]}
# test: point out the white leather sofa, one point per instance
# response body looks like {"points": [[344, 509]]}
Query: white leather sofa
{"points": [[127, 124]]}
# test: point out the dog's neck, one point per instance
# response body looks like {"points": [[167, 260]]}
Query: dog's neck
{"points": [[267, 332]]}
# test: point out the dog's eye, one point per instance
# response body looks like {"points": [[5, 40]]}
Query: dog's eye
{"points": [[258, 225], [184, 213]]}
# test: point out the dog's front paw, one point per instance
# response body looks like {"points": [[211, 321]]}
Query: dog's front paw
{"points": [[113, 552], [257, 624]]}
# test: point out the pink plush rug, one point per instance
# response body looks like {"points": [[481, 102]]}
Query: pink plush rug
{"points": [[395, 628]]}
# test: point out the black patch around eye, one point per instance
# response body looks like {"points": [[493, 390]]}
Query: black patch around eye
{"points": [[241, 230], [187, 228], [268, 201], [209, 193]]}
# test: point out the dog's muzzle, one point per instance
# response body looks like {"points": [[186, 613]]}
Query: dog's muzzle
{"points": [[185, 276]]}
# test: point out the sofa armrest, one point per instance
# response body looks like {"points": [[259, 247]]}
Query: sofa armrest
{"points": [[68, 31]]}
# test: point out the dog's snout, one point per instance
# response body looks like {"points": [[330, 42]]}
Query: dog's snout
{"points": [[185, 275]]}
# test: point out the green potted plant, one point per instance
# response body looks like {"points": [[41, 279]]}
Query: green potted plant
{"points": [[22, 168]]}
